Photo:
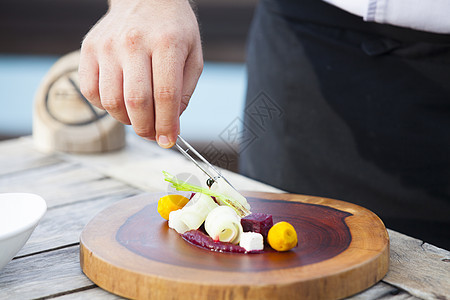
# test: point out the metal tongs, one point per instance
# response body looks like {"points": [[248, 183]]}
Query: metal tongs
{"points": [[212, 172]]}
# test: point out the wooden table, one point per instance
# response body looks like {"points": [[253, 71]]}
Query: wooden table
{"points": [[77, 187]]}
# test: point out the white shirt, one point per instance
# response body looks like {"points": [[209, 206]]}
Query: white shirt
{"points": [[425, 15]]}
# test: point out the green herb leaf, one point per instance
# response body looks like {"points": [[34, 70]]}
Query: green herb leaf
{"points": [[180, 185]]}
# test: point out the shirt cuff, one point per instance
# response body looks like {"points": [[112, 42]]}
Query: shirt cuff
{"points": [[431, 16], [356, 7]]}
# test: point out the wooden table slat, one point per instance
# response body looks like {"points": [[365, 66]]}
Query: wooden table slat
{"points": [[20, 156], [63, 183], [63, 225], [419, 268], [91, 293], [383, 290], [42, 275]]}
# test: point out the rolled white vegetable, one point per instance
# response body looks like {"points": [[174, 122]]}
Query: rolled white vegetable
{"points": [[196, 210], [235, 199], [193, 214], [223, 224], [176, 223]]}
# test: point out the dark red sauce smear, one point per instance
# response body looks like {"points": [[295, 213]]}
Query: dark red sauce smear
{"points": [[321, 230], [201, 239]]}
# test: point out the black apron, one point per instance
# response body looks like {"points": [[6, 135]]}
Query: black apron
{"points": [[341, 108]]}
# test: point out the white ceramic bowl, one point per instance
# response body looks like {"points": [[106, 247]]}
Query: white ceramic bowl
{"points": [[19, 215]]}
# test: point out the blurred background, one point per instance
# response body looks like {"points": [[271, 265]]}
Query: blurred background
{"points": [[34, 34]]}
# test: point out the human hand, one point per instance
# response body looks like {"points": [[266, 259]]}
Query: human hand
{"points": [[141, 63]]}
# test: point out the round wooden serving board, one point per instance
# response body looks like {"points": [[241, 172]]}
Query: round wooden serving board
{"points": [[343, 248]]}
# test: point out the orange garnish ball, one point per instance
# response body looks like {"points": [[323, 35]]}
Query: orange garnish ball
{"points": [[282, 236], [169, 203]]}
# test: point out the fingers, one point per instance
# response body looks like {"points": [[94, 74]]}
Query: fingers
{"points": [[124, 89], [88, 75], [138, 62], [138, 94], [192, 71], [142, 83], [168, 66], [101, 79], [111, 89]]}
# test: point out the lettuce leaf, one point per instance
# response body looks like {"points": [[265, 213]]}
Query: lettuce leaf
{"points": [[180, 185]]}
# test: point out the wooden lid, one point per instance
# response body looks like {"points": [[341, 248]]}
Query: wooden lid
{"points": [[63, 120]]}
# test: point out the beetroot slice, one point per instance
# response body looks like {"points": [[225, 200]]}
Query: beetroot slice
{"points": [[257, 222], [202, 240]]}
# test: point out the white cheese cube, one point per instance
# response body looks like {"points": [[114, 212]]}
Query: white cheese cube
{"points": [[251, 241]]}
